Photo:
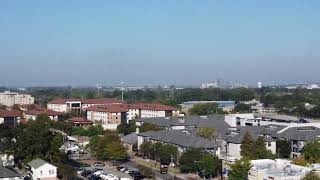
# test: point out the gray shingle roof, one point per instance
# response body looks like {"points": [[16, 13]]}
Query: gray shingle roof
{"points": [[308, 133], [214, 121], [8, 173], [36, 163], [255, 131], [130, 138], [181, 138]]}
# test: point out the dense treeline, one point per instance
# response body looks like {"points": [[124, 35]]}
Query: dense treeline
{"points": [[166, 96], [287, 101], [35, 140]]}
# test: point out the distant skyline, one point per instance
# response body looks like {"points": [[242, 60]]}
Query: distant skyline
{"points": [[141, 42]]}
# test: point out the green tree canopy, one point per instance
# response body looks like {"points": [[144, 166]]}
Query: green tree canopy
{"points": [[206, 109], [127, 128], [312, 152], [108, 147], [188, 159], [206, 132], [283, 149], [239, 170], [149, 127], [254, 149], [242, 108], [311, 176], [247, 146]]}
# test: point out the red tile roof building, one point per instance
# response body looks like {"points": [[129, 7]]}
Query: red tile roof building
{"points": [[10, 118], [78, 105], [119, 113], [33, 114], [80, 122]]}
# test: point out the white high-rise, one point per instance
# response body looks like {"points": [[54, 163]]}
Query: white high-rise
{"points": [[11, 98], [259, 85]]}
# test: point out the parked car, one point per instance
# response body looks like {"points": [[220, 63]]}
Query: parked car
{"points": [[119, 168], [108, 177], [128, 171], [123, 169], [86, 173], [99, 164], [136, 175], [98, 172], [94, 177]]}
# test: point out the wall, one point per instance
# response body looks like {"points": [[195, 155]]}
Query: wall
{"points": [[45, 172], [234, 150], [57, 107]]}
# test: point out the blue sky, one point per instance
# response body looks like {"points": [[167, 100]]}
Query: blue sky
{"points": [[183, 42]]}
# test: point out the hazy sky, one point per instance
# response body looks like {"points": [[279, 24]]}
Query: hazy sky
{"points": [[184, 42]]}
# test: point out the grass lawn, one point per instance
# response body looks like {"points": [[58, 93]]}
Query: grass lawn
{"points": [[151, 164]]}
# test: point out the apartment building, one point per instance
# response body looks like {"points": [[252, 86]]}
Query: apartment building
{"points": [[110, 116], [78, 105], [144, 110], [11, 98], [114, 114]]}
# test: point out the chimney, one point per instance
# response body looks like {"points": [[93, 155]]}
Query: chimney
{"points": [[181, 118]]}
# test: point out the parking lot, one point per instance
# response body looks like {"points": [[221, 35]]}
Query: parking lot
{"points": [[108, 172]]}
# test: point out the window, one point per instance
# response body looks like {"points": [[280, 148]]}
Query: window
{"points": [[41, 173], [269, 144]]}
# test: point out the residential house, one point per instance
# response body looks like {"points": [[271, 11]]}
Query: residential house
{"points": [[8, 174], [33, 114], [42, 170], [10, 117], [80, 122]]}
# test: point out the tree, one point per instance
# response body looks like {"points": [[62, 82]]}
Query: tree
{"points": [[301, 161], [247, 146], [261, 151], [168, 153], [206, 109], [115, 151], [312, 152], [149, 127], [127, 128], [164, 153], [311, 176], [209, 165], [242, 108], [91, 131], [188, 159], [146, 148], [108, 147], [283, 149], [239, 170], [206, 132]]}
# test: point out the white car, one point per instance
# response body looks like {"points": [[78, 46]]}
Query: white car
{"points": [[97, 173], [128, 171], [108, 177]]}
